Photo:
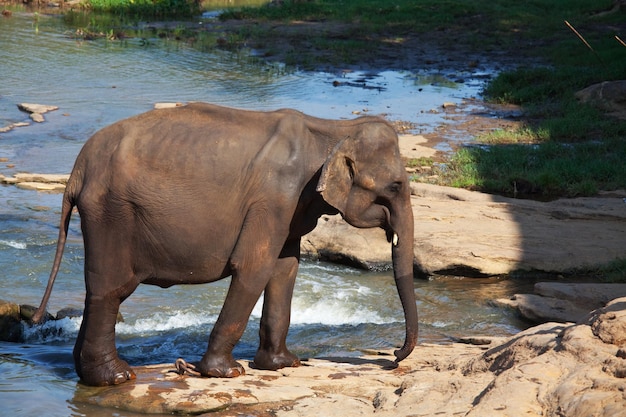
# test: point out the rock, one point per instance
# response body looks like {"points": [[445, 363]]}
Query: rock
{"points": [[609, 96], [44, 178], [562, 302], [586, 296], [39, 186], [27, 312], [167, 105], [39, 182], [10, 327], [69, 312], [336, 241], [474, 234], [37, 117], [609, 323], [541, 309], [553, 369], [355, 385], [13, 126], [36, 108]]}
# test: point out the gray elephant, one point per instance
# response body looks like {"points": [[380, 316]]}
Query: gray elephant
{"points": [[194, 194]]}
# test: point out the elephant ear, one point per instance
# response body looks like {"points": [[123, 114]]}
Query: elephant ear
{"points": [[338, 174]]}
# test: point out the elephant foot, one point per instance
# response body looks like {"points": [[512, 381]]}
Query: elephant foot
{"points": [[219, 368], [114, 372], [274, 361]]}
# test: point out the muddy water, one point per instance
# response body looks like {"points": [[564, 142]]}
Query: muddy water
{"points": [[336, 310]]}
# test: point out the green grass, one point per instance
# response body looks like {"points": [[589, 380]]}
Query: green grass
{"points": [[564, 148], [540, 171], [145, 8]]}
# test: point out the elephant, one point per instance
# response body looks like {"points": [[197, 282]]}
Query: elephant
{"points": [[201, 192]]}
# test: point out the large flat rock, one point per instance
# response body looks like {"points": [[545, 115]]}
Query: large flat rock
{"points": [[461, 231]]}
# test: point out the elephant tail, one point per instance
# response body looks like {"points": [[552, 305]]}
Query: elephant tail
{"points": [[66, 213]]}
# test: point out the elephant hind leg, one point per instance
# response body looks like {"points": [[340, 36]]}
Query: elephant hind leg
{"points": [[95, 354]]}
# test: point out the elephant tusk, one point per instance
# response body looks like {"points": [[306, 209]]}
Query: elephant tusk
{"points": [[395, 239]]}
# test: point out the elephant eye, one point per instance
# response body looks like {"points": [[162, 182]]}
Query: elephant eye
{"points": [[395, 187]]}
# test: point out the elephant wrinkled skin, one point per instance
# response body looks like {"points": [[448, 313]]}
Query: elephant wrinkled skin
{"points": [[197, 193]]}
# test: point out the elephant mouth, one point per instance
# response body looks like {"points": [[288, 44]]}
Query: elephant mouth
{"points": [[392, 236]]}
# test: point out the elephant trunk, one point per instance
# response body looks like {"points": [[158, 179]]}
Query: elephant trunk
{"points": [[402, 256]]}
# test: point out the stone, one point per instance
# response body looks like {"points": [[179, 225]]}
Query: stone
{"points": [[13, 126], [609, 96], [541, 309], [562, 302], [36, 108], [10, 326], [40, 186], [27, 312], [609, 323], [44, 178], [38, 182], [69, 312], [37, 117], [167, 105], [588, 296]]}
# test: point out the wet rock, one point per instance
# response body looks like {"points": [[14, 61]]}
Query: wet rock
{"points": [[10, 327], [38, 182], [586, 296], [37, 117], [69, 312], [541, 309], [167, 105], [27, 312], [40, 186], [562, 302], [13, 126], [44, 178], [36, 110]]}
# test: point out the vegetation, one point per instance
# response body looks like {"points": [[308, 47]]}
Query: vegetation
{"points": [[145, 8]]}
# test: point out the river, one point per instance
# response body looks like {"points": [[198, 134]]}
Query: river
{"points": [[336, 310]]}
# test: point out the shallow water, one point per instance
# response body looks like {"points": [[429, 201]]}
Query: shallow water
{"points": [[336, 310]]}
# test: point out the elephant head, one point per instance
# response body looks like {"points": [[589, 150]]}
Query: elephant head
{"points": [[365, 180]]}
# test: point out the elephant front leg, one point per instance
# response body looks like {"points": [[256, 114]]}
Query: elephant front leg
{"points": [[218, 360], [273, 353], [95, 355]]}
